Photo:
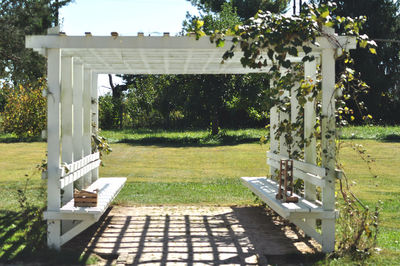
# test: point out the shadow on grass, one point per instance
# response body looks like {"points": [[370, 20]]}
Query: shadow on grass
{"points": [[8, 138], [391, 138], [208, 141], [23, 240]]}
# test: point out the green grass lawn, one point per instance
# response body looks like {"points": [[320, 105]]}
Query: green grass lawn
{"points": [[192, 168]]}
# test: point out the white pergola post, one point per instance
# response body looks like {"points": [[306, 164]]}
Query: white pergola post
{"points": [[66, 126], [78, 116], [283, 146], [328, 144], [294, 112], [95, 117], [87, 138], [310, 150], [53, 144], [273, 122]]}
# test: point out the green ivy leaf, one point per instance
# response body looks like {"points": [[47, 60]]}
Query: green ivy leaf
{"points": [[325, 14], [220, 43], [307, 49]]}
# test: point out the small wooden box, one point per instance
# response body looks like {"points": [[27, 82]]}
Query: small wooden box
{"points": [[83, 198]]}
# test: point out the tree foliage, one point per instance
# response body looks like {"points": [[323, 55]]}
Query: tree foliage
{"points": [[19, 18], [381, 71], [25, 109], [245, 8]]}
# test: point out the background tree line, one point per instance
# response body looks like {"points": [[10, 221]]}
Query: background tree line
{"points": [[196, 101]]}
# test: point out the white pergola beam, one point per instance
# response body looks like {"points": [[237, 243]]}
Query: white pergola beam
{"points": [[150, 42]]}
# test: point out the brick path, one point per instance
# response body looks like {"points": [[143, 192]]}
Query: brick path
{"points": [[195, 235]]}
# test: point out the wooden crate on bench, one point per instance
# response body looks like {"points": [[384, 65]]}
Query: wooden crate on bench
{"points": [[83, 198]]}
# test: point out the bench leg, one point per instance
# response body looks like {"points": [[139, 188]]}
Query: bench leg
{"points": [[328, 235], [54, 234]]}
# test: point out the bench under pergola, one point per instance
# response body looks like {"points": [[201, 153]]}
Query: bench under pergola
{"points": [[74, 63]]}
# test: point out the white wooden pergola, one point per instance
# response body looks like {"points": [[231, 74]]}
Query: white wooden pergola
{"points": [[74, 63]]}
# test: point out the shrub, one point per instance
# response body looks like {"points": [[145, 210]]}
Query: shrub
{"points": [[25, 109]]}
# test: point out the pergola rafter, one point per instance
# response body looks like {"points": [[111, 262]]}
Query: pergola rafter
{"points": [[73, 65]]}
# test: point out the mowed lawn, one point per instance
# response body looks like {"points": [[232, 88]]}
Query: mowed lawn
{"points": [[209, 174]]}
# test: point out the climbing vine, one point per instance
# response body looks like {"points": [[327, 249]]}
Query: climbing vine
{"points": [[275, 41]]}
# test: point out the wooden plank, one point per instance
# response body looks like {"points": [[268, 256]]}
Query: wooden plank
{"points": [[274, 144], [87, 134], [150, 42], [66, 127], [297, 173], [108, 189], [68, 169], [310, 231], [76, 175], [66, 119], [53, 144], [95, 116], [284, 116], [310, 150], [294, 112], [328, 143], [266, 189], [76, 230], [303, 166], [78, 117]]}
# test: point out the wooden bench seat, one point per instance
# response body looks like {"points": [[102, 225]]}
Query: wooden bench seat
{"points": [[108, 189], [266, 190]]}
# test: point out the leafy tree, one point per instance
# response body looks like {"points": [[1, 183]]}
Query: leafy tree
{"points": [[219, 92], [245, 8], [382, 71], [17, 19]]}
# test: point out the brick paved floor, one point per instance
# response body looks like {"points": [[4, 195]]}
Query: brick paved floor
{"points": [[196, 235]]}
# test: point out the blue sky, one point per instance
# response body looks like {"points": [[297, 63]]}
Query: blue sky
{"points": [[127, 17]]}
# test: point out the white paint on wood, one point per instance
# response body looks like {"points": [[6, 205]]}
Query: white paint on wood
{"points": [[294, 112], [108, 189], [153, 42], [274, 144], [53, 144], [66, 119], [66, 127], [310, 150], [328, 127], [87, 137], [267, 189], [95, 117], [78, 116], [299, 174], [328, 143], [76, 230], [67, 169], [284, 117], [309, 230], [79, 173], [305, 167]]}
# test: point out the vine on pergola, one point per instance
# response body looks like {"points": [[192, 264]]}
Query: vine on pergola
{"points": [[270, 39]]}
